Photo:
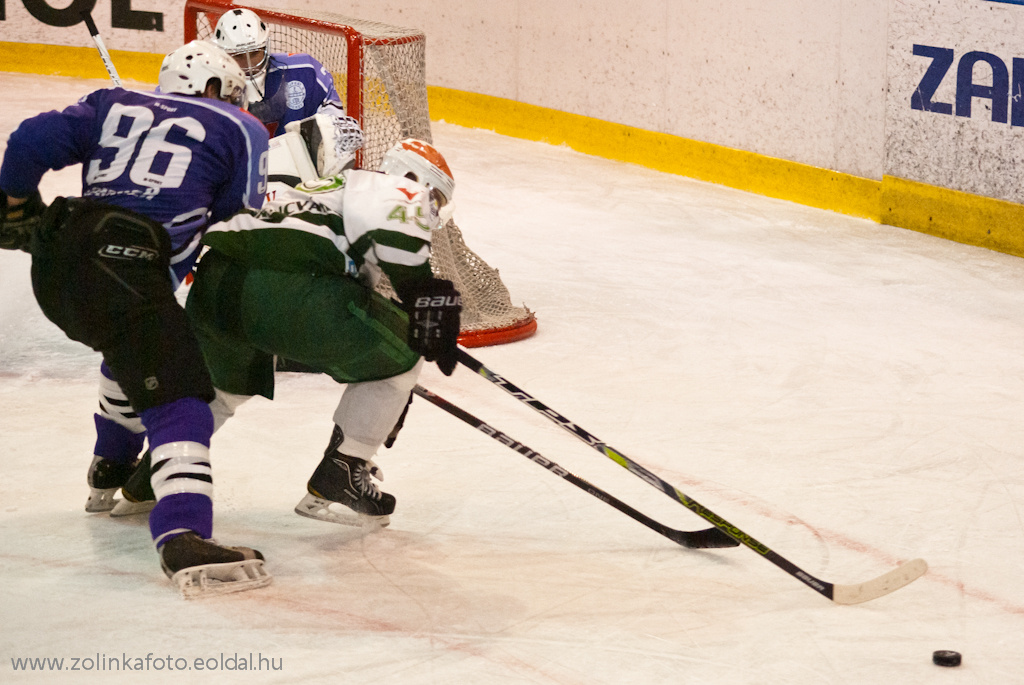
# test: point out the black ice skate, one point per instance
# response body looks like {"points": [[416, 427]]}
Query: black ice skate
{"points": [[105, 477], [341, 491], [137, 493], [203, 568]]}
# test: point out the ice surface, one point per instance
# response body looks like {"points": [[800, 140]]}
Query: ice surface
{"points": [[849, 394]]}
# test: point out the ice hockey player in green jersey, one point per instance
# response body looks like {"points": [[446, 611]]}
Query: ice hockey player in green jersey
{"points": [[296, 279]]}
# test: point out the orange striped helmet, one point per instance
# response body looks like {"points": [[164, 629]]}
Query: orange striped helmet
{"points": [[421, 162]]}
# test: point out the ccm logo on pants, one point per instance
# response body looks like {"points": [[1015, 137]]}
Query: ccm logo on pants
{"points": [[123, 252]]}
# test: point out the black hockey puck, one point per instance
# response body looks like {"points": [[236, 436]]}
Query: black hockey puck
{"points": [[945, 657]]}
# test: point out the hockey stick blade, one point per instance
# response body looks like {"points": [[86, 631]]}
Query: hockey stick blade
{"points": [[882, 585], [840, 594], [710, 538]]}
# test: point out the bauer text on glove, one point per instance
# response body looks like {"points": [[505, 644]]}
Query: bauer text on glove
{"points": [[433, 306]]}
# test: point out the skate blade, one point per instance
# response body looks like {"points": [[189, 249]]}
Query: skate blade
{"points": [[100, 500], [124, 507], [313, 507], [212, 580]]}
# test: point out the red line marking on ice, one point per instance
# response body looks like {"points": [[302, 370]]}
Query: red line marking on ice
{"points": [[859, 546]]}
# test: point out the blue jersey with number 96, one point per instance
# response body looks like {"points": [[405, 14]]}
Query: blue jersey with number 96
{"points": [[184, 162]]}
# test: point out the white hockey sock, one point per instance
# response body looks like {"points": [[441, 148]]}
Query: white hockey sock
{"points": [[224, 406], [368, 411], [114, 405], [180, 467]]}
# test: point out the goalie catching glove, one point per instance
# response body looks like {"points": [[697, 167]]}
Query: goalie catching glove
{"points": [[19, 222], [320, 146], [332, 139], [433, 306]]}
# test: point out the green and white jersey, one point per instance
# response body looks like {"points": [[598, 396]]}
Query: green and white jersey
{"points": [[351, 224]]}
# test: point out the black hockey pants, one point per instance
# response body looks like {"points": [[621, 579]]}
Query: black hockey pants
{"points": [[101, 273]]}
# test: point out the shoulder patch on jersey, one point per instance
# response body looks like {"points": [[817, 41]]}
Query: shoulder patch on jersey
{"points": [[322, 185], [295, 94]]}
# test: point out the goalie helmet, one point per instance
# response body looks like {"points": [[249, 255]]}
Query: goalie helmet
{"points": [[422, 163], [190, 68], [244, 36]]}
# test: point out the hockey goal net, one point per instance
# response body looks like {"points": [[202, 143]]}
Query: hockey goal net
{"points": [[379, 72]]}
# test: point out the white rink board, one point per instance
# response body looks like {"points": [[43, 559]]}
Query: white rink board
{"points": [[59, 23], [799, 80], [942, 145]]}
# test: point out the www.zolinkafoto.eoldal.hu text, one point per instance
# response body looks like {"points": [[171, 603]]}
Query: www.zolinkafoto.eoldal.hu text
{"points": [[151, 662]]}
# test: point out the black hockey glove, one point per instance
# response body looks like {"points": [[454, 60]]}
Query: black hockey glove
{"points": [[18, 223], [433, 306]]}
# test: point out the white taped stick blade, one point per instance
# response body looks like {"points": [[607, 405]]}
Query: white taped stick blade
{"points": [[314, 507], [211, 580], [880, 586]]}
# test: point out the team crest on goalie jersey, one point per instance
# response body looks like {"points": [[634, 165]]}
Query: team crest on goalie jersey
{"points": [[295, 94]]}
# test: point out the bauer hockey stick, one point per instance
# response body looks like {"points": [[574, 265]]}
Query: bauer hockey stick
{"points": [[709, 538], [840, 594], [104, 55]]}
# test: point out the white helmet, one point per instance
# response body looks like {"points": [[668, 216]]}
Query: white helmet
{"points": [[188, 69], [422, 163], [244, 36]]}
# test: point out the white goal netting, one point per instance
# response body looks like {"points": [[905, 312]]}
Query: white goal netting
{"points": [[379, 72]]}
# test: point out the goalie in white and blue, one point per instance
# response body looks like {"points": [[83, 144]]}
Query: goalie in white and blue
{"points": [[282, 88]]}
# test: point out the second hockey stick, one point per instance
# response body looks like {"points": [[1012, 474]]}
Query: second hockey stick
{"points": [[104, 55], [698, 539], [840, 594]]}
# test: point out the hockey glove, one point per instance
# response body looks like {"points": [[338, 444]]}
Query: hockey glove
{"points": [[332, 139], [433, 306], [19, 222]]}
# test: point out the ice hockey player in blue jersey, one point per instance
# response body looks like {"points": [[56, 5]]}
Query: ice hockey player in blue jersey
{"points": [[157, 169], [282, 88]]}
